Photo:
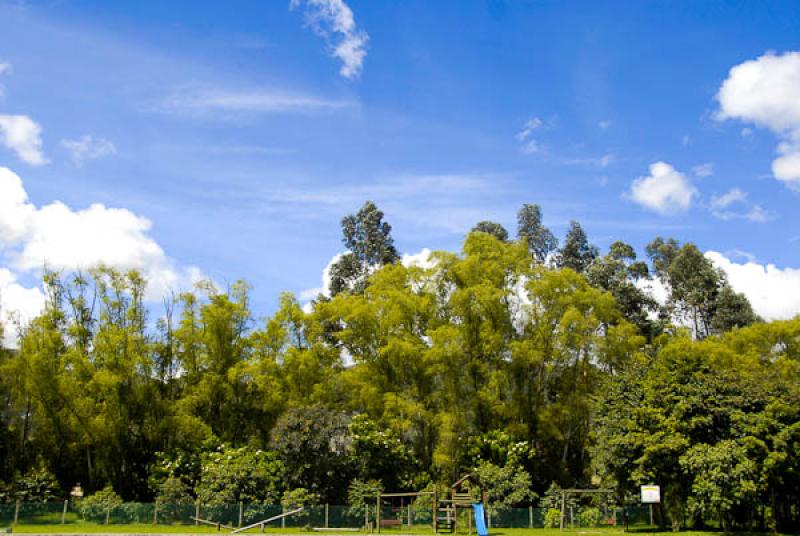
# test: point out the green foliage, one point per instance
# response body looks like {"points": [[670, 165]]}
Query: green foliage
{"points": [[230, 475], [37, 486], [506, 487], [361, 494], [95, 506], [527, 365], [295, 498], [312, 444], [589, 517], [552, 518], [491, 228]]}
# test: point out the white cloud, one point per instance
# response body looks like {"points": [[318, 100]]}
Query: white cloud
{"points": [[334, 21], [5, 68], [529, 145], [665, 190], [734, 195], [22, 135], [601, 161], [703, 170], [421, 259], [210, 102], [774, 292], [88, 148], [17, 303], [62, 238], [723, 207], [527, 129], [764, 92]]}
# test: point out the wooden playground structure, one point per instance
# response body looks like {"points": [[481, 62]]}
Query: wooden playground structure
{"points": [[444, 509]]}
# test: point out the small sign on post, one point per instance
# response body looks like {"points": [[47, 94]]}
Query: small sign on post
{"points": [[651, 494]]}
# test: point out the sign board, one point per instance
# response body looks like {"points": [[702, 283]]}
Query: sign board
{"points": [[651, 494]]}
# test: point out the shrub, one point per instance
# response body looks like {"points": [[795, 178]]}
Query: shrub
{"points": [[552, 518], [589, 517], [94, 507]]}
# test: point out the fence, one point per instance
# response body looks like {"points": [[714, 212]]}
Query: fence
{"points": [[330, 516]]}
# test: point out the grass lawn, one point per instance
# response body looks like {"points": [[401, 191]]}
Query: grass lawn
{"points": [[88, 528]]}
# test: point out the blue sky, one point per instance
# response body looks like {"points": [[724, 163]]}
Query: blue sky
{"points": [[241, 136]]}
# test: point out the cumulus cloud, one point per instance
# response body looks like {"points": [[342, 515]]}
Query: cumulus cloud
{"points": [[22, 135], [764, 92], [734, 205], [88, 148], [665, 190], [17, 304], [334, 21], [774, 292], [59, 237]]}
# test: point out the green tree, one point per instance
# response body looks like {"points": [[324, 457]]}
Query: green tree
{"points": [[576, 253], [493, 228], [530, 229]]}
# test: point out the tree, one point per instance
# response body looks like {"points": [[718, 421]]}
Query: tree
{"points": [[312, 445], [230, 475], [618, 272], [370, 245], [540, 240], [493, 228], [576, 253], [699, 293]]}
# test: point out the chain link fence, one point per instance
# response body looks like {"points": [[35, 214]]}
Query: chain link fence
{"points": [[228, 516]]}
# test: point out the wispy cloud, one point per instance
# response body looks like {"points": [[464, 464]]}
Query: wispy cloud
{"points": [[734, 205], [334, 21], [88, 148], [529, 145], [703, 170], [215, 102]]}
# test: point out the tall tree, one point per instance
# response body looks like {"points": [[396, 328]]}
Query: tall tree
{"points": [[540, 240], [493, 228], [370, 245], [577, 253]]}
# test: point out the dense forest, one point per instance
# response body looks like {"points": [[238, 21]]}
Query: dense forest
{"points": [[532, 362]]}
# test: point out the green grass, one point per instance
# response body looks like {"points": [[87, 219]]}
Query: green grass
{"points": [[82, 527]]}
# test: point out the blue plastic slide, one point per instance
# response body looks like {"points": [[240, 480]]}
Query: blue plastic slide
{"points": [[480, 520]]}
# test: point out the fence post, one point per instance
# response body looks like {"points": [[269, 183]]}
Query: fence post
{"points": [[530, 517], [489, 512], [16, 512], [241, 513], [283, 519], [108, 514], [326, 515], [196, 512], [64, 512], [155, 513]]}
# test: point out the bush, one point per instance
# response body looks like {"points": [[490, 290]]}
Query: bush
{"points": [[94, 507], [37, 486], [552, 518], [589, 517]]}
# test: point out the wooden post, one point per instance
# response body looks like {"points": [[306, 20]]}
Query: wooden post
{"points": [[563, 507], [488, 516], [16, 513], [262, 528], [530, 517], [366, 516], [241, 513], [378, 514], [64, 512], [410, 516], [196, 512], [283, 519], [326, 515], [155, 513], [434, 510], [108, 514]]}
